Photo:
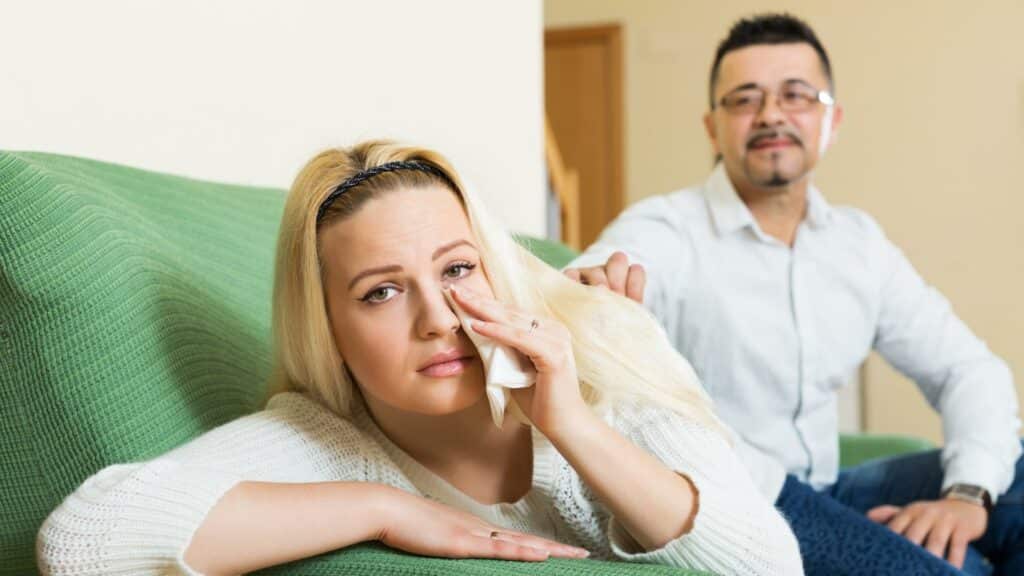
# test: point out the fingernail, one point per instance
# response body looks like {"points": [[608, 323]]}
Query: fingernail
{"points": [[583, 553]]}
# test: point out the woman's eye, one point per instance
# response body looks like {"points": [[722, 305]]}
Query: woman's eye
{"points": [[458, 270], [378, 295]]}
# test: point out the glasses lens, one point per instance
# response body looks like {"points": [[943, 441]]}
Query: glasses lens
{"points": [[797, 98], [743, 101]]}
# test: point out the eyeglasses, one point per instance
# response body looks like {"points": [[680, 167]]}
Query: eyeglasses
{"points": [[794, 96]]}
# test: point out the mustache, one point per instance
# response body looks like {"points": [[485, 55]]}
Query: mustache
{"points": [[773, 134]]}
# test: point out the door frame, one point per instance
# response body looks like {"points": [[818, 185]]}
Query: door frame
{"points": [[609, 35]]}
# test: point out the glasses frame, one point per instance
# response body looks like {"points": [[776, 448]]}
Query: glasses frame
{"points": [[822, 96]]}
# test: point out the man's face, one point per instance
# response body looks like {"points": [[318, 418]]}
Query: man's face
{"points": [[769, 147]]}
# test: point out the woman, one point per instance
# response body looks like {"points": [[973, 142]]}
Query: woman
{"points": [[382, 430]]}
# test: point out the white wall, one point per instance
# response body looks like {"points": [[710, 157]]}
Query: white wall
{"points": [[246, 91]]}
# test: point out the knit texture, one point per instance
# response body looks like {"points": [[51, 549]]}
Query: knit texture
{"points": [[836, 540], [134, 315], [138, 518]]}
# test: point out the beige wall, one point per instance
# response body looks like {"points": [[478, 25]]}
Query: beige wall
{"points": [[932, 145], [247, 90]]}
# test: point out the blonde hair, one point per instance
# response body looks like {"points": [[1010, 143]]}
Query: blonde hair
{"points": [[621, 352]]}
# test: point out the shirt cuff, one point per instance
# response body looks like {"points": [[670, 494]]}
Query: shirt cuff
{"points": [[978, 469]]}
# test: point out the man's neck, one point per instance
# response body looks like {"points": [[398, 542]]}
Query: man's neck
{"points": [[778, 210]]}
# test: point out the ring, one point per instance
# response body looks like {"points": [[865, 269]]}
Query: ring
{"points": [[495, 534], [534, 324]]}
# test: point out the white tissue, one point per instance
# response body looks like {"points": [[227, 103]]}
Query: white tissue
{"points": [[504, 367]]}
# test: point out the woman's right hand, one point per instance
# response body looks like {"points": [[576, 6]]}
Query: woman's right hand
{"points": [[420, 526]]}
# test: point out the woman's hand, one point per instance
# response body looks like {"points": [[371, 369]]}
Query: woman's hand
{"points": [[420, 526], [554, 402]]}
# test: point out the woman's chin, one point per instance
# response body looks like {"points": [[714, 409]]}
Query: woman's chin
{"points": [[449, 396]]}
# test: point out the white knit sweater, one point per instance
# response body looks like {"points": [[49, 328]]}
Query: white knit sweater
{"points": [[139, 518]]}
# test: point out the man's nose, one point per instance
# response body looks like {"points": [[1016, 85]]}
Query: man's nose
{"points": [[770, 113]]}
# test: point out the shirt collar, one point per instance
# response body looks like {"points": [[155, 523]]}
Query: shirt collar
{"points": [[729, 213], [819, 212]]}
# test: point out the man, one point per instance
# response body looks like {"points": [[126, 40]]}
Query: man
{"points": [[776, 298]]}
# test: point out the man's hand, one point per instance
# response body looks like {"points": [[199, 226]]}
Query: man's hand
{"points": [[618, 275], [936, 525]]}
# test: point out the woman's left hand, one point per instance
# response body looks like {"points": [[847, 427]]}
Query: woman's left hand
{"points": [[554, 402]]}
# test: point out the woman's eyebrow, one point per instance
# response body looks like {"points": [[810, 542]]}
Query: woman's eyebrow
{"points": [[372, 271], [396, 268], [451, 245]]}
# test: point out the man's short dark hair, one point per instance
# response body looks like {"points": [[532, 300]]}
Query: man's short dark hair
{"points": [[767, 29]]}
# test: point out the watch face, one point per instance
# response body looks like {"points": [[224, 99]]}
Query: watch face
{"points": [[968, 490], [970, 493]]}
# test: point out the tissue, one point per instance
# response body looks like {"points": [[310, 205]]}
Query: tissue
{"points": [[504, 367]]}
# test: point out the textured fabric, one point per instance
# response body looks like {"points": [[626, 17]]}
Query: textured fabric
{"points": [[836, 540], [134, 315], [780, 329], [139, 518], [900, 480], [377, 560]]}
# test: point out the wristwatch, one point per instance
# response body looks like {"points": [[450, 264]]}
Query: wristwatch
{"points": [[969, 493]]}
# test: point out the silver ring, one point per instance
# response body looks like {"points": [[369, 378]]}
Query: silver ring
{"points": [[534, 324]]}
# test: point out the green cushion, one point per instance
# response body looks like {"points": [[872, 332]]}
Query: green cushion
{"points": [[134, 315], [376, 559], [859, 448]]}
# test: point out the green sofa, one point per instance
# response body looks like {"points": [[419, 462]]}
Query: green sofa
{"points": [[134, 315]]}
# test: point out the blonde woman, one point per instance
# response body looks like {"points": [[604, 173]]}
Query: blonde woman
{"points": [[382, 429]]}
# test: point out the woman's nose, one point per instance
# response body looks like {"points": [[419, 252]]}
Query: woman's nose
{"points": [[435, 318]]}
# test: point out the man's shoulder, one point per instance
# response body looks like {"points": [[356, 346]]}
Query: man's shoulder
{"points": [[858, 221]]}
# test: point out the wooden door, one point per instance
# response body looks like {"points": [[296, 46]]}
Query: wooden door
{"points": [[583, 97]]}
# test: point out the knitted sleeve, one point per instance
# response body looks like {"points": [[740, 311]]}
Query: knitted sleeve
{"points": [[735, 531], [139, 518]]}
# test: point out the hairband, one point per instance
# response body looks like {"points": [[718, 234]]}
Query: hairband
{"points": [[363, 176]]}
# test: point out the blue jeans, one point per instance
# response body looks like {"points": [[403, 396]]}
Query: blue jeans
{"points": [[836, 538]]}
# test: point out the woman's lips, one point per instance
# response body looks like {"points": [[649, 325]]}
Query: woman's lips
{"points": [[446, 369]]}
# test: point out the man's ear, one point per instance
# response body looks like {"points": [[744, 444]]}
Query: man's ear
{"points": [[837, 119], [709, 127]]}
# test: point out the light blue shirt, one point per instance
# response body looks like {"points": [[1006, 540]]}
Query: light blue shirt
{"points": [[774, 331]]}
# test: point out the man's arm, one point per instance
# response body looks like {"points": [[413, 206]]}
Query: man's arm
{"points": [[973, 390], [919, 334]]}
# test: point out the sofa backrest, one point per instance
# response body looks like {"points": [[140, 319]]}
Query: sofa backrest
{"points": [[134, 314]]}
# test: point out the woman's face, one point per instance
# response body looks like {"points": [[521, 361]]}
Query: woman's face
{"points": [[384, 271]]}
